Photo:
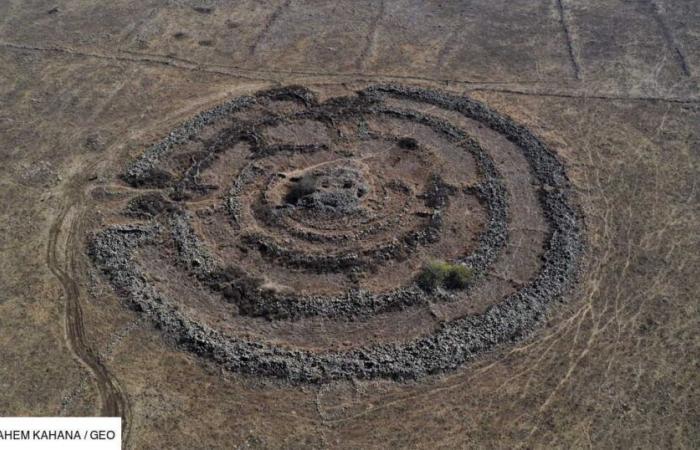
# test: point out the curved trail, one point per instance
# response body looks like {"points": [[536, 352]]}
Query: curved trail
{"points": [[113, 400]]}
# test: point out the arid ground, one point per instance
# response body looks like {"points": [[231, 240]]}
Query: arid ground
{"points": [[214, 214]]}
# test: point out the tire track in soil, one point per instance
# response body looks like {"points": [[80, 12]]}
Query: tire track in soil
{"points": [[269, 23], [113, 400], [568, 40], [371, 41], [673, 45]]}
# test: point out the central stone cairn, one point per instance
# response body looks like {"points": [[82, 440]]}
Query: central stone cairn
{"points": [[334, 190], [284, 236]]}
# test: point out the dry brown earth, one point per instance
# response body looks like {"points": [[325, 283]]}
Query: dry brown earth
{"points": [[610, 86]]}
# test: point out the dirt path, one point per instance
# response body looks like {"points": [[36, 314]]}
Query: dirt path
{"points": [[113, 400], [286, 77]]}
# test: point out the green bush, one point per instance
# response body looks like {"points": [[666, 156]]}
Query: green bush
{"points": [[440, 273], [458, 277]]}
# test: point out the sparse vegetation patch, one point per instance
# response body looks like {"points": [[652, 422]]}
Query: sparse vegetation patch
{"points": [[443, 274]]}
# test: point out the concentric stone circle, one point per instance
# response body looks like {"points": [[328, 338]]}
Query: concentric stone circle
{"points": [[280, 208]]}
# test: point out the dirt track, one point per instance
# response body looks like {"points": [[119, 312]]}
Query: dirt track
{"points": [[113, 401]]}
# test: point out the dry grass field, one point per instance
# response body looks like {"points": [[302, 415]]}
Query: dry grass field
{"points": [[609, 87]]}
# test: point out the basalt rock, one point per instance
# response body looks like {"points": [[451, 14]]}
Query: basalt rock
{"points": [[337, 204]]}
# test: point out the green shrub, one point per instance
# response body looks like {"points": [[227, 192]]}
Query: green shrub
{"points": [[440, 273], [458, 277]]}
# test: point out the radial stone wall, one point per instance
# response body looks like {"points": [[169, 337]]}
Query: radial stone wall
{"points": [[282, 236]]}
